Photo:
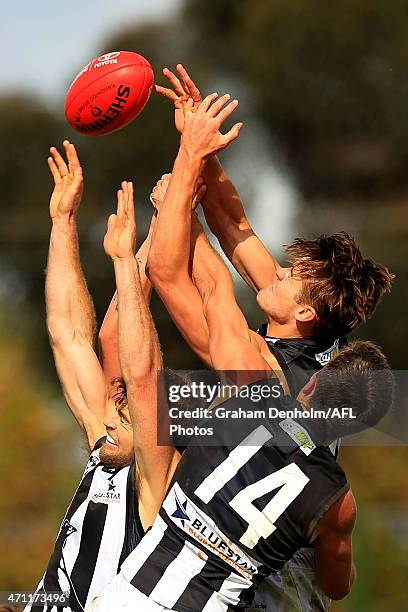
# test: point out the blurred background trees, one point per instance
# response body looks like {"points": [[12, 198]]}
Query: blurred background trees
{"points": [[323, 92]]}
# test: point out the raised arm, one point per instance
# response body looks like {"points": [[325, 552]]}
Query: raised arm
{"points": [[108, 333], [70, 313], [140, 360], [169, 255], [174, 285], [222, 205], [232, 345], [225, 215]]}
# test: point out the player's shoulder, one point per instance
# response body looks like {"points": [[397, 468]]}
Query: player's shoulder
{"points": [[259, 342], [340, 516], [94, 459]]}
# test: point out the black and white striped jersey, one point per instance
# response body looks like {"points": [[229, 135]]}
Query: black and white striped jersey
{"points": [[100, 528], [233, 515], [300, 358]]}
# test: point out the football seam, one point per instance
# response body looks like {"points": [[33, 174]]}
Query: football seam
{"points": [[137, 102]]}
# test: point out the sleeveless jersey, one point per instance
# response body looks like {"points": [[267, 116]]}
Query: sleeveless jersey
{"points": [[234, 514], [299, 358], [296, 587], [101, 527]]}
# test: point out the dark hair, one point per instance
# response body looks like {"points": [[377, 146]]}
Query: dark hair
{"points": [[340, 284], [120, 394], [358, 377]]}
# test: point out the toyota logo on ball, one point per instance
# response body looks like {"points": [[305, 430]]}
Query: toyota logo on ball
{"points": [[108, 56]]}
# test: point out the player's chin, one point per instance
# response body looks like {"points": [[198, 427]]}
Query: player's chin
{"points": [[115, 457], [262, 300]]}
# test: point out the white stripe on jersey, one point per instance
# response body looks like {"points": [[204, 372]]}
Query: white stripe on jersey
{"points": [[107, 491], [236, 459], [217, 603], [214, 604], [144, 549], [187, 564], [190, 562], [111, 547], [239, 560], [71, 548]]}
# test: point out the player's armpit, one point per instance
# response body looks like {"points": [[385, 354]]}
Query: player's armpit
{"points": [[83, 383], [151, 497], [332, 541]]}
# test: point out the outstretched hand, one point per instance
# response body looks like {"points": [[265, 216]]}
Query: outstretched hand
{"points": [[160, 189], [68, 181], [201, 136], [184, 93], [120, 237]]}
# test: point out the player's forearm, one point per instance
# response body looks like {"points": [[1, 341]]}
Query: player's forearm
{"points": [[108, 342], [108, 334], [222, 205], [226, 218], [140, 360], [139, 350], [69, 305], [170, 248]]}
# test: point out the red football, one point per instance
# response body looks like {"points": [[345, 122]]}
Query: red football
{"points": [[109, 93]]}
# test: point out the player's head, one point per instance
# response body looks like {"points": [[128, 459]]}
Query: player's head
{"points": [[357, 378], [328, 290], [118, 449]]}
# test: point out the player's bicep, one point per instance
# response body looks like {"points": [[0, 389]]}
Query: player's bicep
{"points": [[333, 560], [233, 350], [183, 302], [155, 455], [333, 548], [230, 340], [83, 384]]}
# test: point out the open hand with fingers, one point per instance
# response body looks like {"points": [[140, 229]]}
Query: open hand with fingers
{"points": [[68, 181], [201, 136], [160, 189], [120, 237], [183, 92]]}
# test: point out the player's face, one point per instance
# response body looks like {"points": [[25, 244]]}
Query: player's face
{"points": [[117, 450], [278, 300]]}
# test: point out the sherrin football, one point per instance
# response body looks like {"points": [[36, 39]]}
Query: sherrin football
{"points": [[109, 93]]}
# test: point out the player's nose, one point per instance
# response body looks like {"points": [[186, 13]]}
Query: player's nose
{"points": [[109, 421]]}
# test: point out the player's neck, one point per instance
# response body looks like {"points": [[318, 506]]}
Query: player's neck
{"points": [[285, 330], [291, 329]]}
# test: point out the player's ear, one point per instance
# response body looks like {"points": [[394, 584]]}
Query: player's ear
{"points": [[305, 314]]}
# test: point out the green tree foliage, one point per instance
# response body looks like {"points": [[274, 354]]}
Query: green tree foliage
{"points": [[37, 475], [377, 476], [328, 79]]}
